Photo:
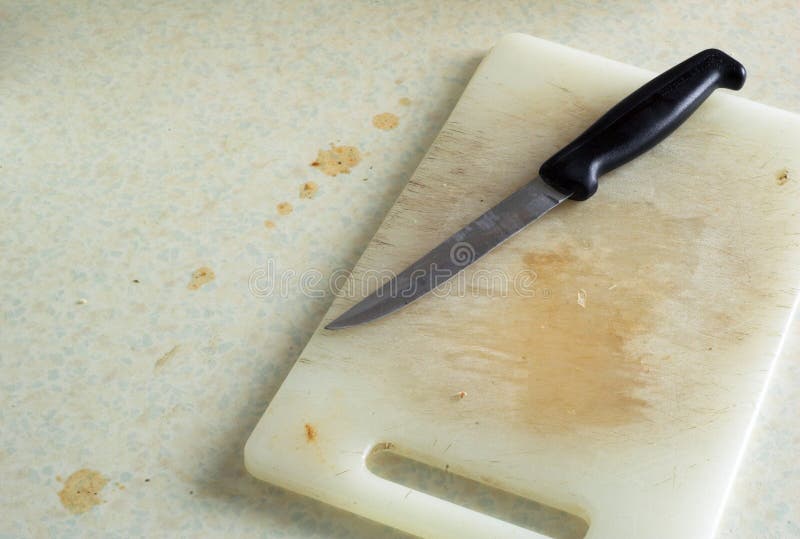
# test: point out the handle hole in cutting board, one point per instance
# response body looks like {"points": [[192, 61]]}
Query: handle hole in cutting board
{"points": [[474, 495]]}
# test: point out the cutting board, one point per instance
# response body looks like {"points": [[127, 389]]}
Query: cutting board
{"points": [[612, 356]]}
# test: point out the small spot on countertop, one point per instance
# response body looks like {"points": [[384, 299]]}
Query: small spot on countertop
{"points": [[135, 281], [783, 177], [200, 277], [308, 189], [81, 491], [284, 208], [82, 301], [337, 160], [385, 121], [398, 81], [164, 359], [404, 101], [311, 432]]}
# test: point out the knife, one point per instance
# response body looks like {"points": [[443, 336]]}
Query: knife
{"points": [[630, 128]]}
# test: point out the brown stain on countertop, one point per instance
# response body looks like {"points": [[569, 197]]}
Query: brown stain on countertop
{"points": [[269, 224], [308, 190], [81, 491], [404, 101], [783, 177], [337, 160], [385, 121], [165, 358], [284, 208], [200, 277]]}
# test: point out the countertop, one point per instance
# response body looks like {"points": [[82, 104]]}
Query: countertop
{"points": [[155, 166]]}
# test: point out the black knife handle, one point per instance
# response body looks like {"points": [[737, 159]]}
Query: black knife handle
{"points": [[640, 121]]}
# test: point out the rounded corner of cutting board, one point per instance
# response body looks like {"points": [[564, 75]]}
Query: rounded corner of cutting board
{"points": [[253, 456]]}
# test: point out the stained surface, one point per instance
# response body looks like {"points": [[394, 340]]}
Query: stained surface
{"points": [[574, 344], [81, 491], [575, 350], [385, 121], [337, 160], [308, 189], [200, 277], [144, 140]]}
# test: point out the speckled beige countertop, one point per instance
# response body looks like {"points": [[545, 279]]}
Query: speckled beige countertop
{"points": [[155, 157]]}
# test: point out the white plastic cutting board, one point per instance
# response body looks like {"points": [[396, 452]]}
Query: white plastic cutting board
{"points": [[620, 383]]}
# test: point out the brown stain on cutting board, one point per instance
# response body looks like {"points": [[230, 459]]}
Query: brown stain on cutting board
{"points": [[337, 160], [81, 491], [548, 362], [578, 365], [311, 432], [284, 208], [541, 260], [200, 277]]}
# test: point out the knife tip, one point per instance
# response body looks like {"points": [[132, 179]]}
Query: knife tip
{"points": [[336, 324], [367, 310], [348, 319]]}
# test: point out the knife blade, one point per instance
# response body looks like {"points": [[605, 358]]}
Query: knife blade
{"points": [[630, 128]]}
